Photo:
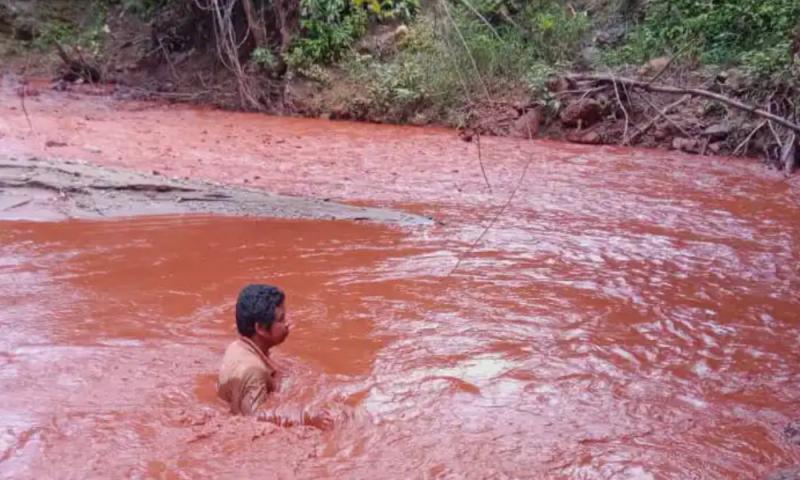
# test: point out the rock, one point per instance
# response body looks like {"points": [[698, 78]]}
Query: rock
{"points": [[660, 133], [340, 112], [715, 147], [582, 113], [718, 131], [611, 36], [735, 79], [591, 55], [419, 119], [589, 138], [653, 66], [685, 145], [325, 116], [557, 84], [527, 125], [54, 143]]}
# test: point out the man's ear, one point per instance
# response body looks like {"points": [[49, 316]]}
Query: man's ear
{"points": [[262, 330]]}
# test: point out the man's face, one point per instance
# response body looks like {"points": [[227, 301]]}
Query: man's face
{"points": [[279, 329]]}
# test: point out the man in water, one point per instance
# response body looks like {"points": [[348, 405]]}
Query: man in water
{"points": [[247, 374]]}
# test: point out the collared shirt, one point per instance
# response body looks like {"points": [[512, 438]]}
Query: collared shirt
{"points": [[246, 376]]}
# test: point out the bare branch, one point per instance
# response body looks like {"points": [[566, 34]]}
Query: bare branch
{"points": [[625, 111], [747, 139], [698, 92]]}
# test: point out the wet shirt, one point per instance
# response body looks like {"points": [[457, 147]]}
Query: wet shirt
{"points": [[246, 376]]}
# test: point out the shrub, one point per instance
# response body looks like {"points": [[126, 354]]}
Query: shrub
{"points": [[752, 33], [329, 27]]}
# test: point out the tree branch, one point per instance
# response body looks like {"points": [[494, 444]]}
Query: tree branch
{"points": [[697, 92]]}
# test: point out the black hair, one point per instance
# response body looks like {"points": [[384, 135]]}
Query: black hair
{"points": [[257, 304]]}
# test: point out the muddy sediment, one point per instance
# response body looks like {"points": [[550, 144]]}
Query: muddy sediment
{"points": [[36, 189]]}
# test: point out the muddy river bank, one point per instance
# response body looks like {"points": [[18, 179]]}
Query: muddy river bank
{"points": [[632, 314]]}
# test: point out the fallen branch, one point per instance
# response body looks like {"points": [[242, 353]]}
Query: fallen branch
{"points": [[661, 114], [697, 92], [775, 136], [79, 68], [625, 112], [747, 139]]}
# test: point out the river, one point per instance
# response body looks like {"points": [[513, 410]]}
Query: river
{"points": [[631, 314]]}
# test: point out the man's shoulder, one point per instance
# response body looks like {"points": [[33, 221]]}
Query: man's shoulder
{"points": [[240, 359]]}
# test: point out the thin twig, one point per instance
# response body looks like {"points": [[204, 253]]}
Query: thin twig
{"points": [[453, 61], [495, 218], [669, 62], [666, 117], [466, 48], [775, 135], [166, 57], [587, 92], [499, 212], [483, 19], [23, 91], [583, 91], [660, 113], [480, 160], [747, 139], [624, 111]]}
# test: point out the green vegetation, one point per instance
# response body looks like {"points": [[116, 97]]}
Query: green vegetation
{"points": [[88, 35], [455, 53], [328, 28], [754, 34]]}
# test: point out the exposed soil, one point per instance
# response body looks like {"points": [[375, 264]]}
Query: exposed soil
{"points": [[173, 58]]}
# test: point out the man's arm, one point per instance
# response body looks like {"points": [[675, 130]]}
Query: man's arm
{"points": [[254, 390]]}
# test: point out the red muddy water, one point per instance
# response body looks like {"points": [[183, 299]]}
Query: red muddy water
{"points": [[633, 314]]}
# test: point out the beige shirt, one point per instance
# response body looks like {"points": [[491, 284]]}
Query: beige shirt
{"points": [[246, 376]]}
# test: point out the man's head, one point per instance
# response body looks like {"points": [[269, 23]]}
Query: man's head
{"points": [[261, 314]]}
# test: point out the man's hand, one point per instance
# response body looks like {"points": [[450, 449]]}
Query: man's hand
{"points": [[322, 421]]}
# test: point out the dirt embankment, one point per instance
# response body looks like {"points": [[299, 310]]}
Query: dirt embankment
{"points": [[174, 57], [35, 189]]}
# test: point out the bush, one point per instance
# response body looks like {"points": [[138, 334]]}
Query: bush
{"points": [[89, 35], [329, 27], [554, 32], [752, 33]]}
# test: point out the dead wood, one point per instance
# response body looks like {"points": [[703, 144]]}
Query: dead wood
{"points": [[789, 154], [77, 68], [661, 114], [697, 92]]}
